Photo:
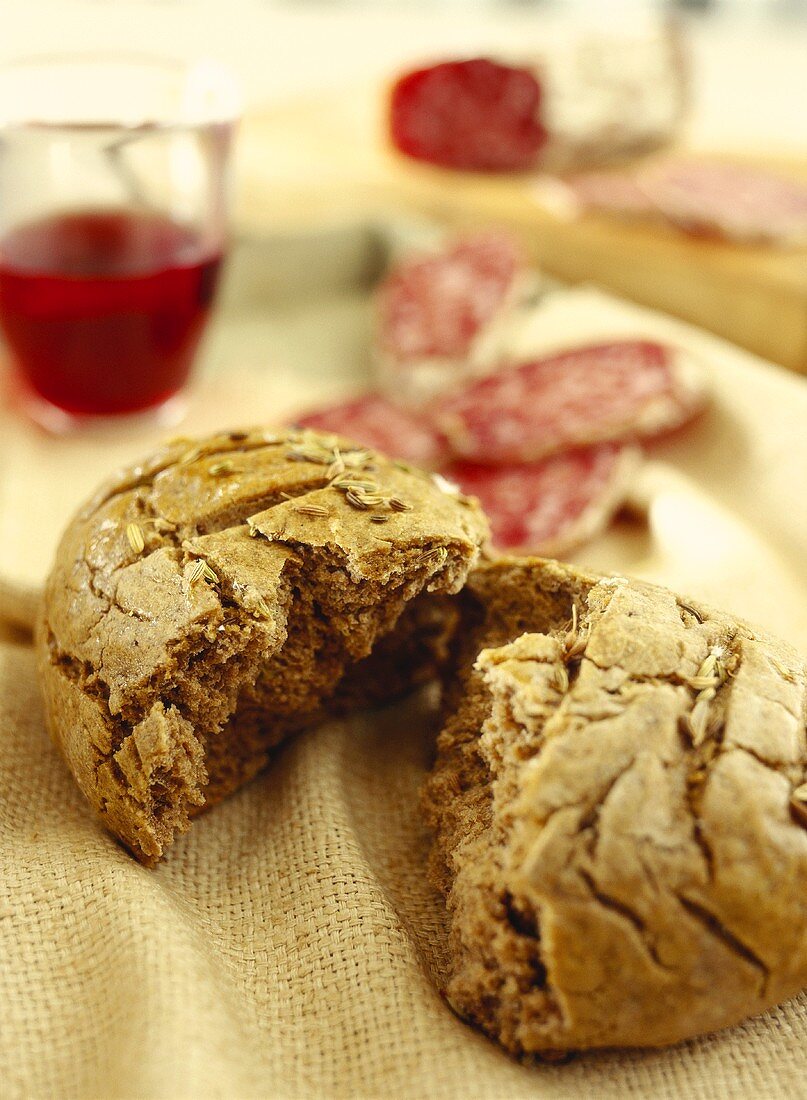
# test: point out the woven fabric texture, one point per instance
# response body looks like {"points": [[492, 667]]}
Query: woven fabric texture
{"points": [[289, 947]]}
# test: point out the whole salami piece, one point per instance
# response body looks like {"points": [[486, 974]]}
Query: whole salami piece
{"points": [[445, 316], [477, 114], [377, 423], [591, 98], [552, 506], [628, 389]]}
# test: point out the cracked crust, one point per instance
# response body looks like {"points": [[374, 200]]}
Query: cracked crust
{"points": [[209, 601], [616, 810]]}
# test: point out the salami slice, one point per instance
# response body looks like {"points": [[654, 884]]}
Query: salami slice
{"points": [[624, 390], [444, 316], [551, 506], [475, 114], [612, 193], [738, 202], [375, 422]]}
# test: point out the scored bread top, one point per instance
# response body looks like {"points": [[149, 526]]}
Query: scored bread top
{"points": [[620, 805], [185, 575]]}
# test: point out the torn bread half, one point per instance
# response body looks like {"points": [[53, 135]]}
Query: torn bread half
{"points": [[209, 601], [620, 813]]}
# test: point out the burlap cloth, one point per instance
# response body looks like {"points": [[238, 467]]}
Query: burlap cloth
{"points": [[290, 946]]}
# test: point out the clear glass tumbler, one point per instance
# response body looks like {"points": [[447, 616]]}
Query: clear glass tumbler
{"points": [[113, 225]]}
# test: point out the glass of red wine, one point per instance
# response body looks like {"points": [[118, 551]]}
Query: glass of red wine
{"points": [[113, 203]]}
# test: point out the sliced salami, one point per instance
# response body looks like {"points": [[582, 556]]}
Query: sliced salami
{"points": [[612, 193], [552, 506], [628, 389], [375, 422], [738, 202], [444, 316], [475, 114]]}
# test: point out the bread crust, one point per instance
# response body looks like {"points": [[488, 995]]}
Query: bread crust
{"points": [[617, 828], [208, 601]]}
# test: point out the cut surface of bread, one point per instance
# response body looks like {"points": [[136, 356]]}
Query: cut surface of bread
{"points": [[620, 813], [208, 602]]}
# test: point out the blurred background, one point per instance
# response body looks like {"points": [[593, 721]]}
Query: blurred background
{"points": [[748, 56], [325, 207]]}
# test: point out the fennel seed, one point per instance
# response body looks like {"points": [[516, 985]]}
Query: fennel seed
{"points": [[221, 469], [356, 500], [311, 510], [561, 679], [134, 533]]}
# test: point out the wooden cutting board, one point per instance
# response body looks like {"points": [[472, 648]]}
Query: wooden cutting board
{"points": [[326, 158]]}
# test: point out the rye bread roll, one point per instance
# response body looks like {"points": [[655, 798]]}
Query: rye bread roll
{"points": [[209, 601], [620, 813]]}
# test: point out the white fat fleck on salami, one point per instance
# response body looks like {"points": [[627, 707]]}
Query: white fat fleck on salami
{"points": [[623, 390], [375, 422], [551, 506], [739, 202]]}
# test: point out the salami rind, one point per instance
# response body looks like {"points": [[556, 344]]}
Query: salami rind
{"points": [[476, 114], [375, 422], [629, 389], [737, 202], [445, 316], [609, 96], [552, 506]]}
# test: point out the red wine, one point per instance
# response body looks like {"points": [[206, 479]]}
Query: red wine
{"points": [[103, 310]]}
